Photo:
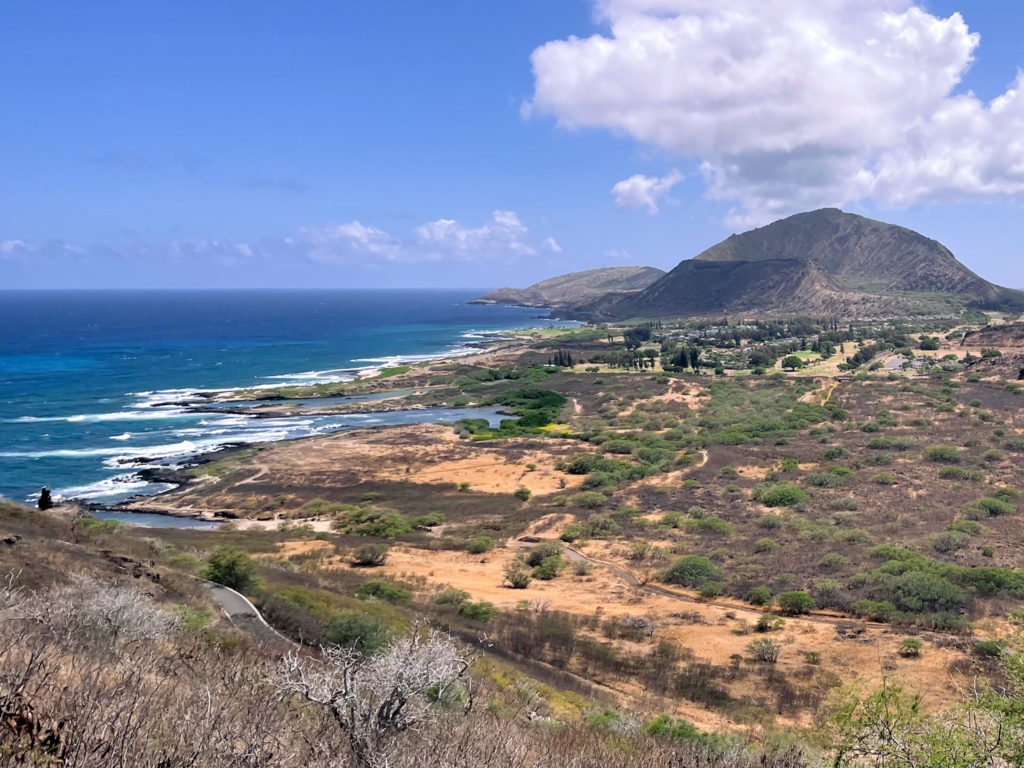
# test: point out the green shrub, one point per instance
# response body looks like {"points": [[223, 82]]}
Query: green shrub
{"points": [[781, 495], [960, 473], [970, 527], [193, 619], [944, 454], [793, 603], [760, 596], [542, 552], [832, 561], [875, 610], [354, 629], [482, 611], [381, 523], [451, 596], [572, 532], [710, 589], [766, 545], [993, 456], [988, 507], [919, 592], [319, 508], [884, 478], [710, 525], [856, 536], [523, 494], [910, 648], [548, 568], [690, 571], [480, 545], [383, 590], [950, 541], [768, 622], [835, 453], [990, 649], [431, 520], [826, 480], [589, 500], [231, 567]]}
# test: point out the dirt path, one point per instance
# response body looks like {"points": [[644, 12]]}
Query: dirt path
{"points": [[831, 391], [261, 470]]}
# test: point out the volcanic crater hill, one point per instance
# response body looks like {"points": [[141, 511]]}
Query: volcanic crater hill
{"points": [[576, 288], [821, 262]]}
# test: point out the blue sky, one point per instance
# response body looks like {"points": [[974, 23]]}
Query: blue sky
{"points": [[472, 143]]}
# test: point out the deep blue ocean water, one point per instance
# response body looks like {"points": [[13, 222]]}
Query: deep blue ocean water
{"points": [[90, 381]]}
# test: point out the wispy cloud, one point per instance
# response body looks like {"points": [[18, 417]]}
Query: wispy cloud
{"points": [[502, 238], [279, 185]]}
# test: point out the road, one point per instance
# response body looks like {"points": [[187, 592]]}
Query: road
{"points": [[243, 615]]}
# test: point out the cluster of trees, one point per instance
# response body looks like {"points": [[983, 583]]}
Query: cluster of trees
{"points": [[563, 359], [634, 338], [681, 358], [867, 353], [628, 359]]}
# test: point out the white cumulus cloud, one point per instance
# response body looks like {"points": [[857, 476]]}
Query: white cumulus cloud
{"points": [[648, 192], [345, 243], [791, 104], [501, 237]]}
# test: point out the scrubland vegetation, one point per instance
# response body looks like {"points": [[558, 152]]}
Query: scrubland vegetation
{"points": [[671, 552]]}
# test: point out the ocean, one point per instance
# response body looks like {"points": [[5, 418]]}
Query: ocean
{"points": [[91, 382]]}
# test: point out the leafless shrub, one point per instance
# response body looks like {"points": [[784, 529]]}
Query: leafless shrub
{"points": [[374, 700], [641, 625], [12, 594], [107, 610], [539, 605]]}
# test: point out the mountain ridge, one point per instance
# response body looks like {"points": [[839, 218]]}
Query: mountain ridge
{"points": [[575, 288], [819, 262]]}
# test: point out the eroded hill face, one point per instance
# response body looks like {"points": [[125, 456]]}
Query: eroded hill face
{"points": [[576, 287], [1008, 335], [824, 261]]}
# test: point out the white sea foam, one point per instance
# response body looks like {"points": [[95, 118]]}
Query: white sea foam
{"points": [[118, 485], [160, 397], [64, 453], [97, 418], [331, 375], [122, 436]]}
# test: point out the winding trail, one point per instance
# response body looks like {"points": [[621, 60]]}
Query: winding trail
{"points": [[261, 470]]}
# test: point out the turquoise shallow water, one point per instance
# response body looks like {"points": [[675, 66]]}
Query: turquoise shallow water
{"points": [[92, 383]]}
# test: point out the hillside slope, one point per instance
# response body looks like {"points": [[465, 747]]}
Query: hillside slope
{"points": [[824, 261], [1008, 335], [575, 288]]}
